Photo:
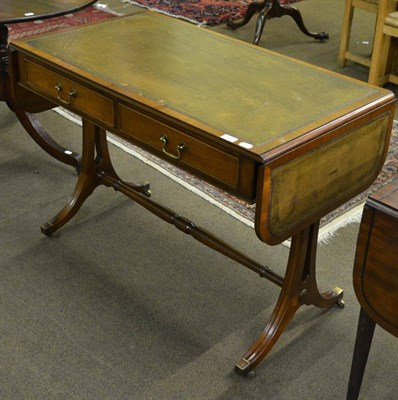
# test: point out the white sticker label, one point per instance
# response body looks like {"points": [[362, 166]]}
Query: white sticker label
{"points": [[245, 145], [229, 138]]}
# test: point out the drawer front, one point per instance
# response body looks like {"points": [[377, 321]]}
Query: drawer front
{"points": [[69, 94], [198, 156]]}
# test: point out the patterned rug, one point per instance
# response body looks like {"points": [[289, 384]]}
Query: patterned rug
{"points": [[86, 16], [204, 12]]}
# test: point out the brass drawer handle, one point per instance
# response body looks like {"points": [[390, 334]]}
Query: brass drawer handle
{"points": [[180, 148], [72, 94]]}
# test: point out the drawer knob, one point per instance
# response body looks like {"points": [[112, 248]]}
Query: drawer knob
{"points": [[180, 148], [72, 94]]}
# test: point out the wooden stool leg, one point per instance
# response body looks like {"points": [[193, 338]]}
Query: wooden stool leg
{"points": [[346, 32], [378, 66], [381, 60], [366, 327]]}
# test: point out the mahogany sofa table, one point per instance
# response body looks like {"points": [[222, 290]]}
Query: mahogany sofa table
{"points": [[14, 11], [297, 140]]}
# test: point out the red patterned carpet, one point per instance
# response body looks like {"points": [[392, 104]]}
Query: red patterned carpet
{"points": [[86, 16], [207, 12]]}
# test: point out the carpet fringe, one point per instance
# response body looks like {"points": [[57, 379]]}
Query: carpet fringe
{"points": [[329, 231], [192, 21], [106, 8]]}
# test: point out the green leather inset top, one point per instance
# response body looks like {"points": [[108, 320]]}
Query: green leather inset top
{"points": [[252, 94]]}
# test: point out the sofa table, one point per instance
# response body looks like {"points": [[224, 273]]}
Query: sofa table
{"points": [[297, 140], [14, 11]]}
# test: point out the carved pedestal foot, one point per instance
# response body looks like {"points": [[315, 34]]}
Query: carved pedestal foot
{"points": [[273, 9], [252, 9], [296, 15]]}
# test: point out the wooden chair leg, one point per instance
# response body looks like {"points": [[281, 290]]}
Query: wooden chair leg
{"points": [[346, 32], [392, 62], [378, 66], [382, 50], [366, 327]]}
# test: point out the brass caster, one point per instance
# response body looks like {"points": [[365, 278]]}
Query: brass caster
{"points": [[339, 292], [340, 304]]}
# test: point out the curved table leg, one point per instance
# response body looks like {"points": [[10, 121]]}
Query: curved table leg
{"points": [[95, 163], [86, 182], [105, 167], [44, 140], [262, 18], [251, 10], [299, 288], [273, 9], [28, 120], [310, 294], [296, 15]]}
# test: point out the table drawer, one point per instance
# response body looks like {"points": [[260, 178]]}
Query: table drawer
{"points": [[68, 93], [201, 158]]}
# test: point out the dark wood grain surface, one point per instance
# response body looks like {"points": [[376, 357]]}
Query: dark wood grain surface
{"points": [[12, 11], [376, 265], [375, 277]]}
